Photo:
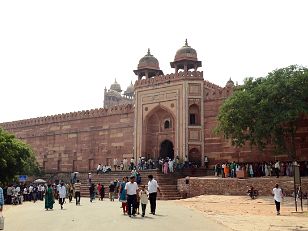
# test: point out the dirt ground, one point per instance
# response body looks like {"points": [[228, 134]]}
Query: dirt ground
{"points": [[243, 213]]}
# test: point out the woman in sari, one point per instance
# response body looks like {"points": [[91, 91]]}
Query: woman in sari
{"points": [[49, 198], [70, 192], [122, 195]]}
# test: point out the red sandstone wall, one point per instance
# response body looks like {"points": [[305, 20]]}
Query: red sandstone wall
{"points": [[81, 140], [220, 150], [233, 186], [78, 141]]}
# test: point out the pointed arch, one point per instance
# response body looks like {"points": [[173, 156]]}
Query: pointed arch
{"points": [[155, 131]]}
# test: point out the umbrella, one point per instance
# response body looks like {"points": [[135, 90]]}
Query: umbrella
{"points": [[38, 181]]}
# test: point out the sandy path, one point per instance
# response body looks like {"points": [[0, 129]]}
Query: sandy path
{"points": [[242, 213]]}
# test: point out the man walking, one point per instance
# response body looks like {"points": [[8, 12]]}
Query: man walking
{"points": [[277, 197], [62, 194], [152, 189], [77, 187], [131, 191], [9, 194]]}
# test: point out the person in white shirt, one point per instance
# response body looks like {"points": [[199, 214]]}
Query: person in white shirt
{"points": [[277, 192], [98, 169], [222, 170], [62, 194], [115, 164], [277, 168], [39, 192], [125, 164], [131, 191], [152, 189], [143, 194], [171, 163]]}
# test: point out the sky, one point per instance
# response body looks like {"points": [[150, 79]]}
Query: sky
{"points": [[58, 56]]}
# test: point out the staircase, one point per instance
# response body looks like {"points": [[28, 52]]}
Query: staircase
{"points": [[166, 182]]}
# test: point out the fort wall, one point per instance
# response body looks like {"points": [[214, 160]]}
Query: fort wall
{"points": [[78, 140], [220, 150]]}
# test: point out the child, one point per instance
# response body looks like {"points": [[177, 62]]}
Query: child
{"points": [[138, 203], [143, 195]]}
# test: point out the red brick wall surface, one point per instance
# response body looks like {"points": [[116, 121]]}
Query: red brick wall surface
{"points": [[78, 141], [233, 186]]}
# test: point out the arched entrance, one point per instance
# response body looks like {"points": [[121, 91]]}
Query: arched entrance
{"points": [[159, 134], [166, 149], [194, 156]]}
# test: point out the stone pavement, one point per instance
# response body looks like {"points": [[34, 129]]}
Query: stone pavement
{"points": [[104, 215]]}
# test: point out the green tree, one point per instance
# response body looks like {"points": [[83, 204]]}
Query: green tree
{"points": [[16, 158], [266, 110]]}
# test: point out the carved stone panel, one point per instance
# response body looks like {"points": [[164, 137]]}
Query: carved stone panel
{"points": [[194, 89], [194, 135]]}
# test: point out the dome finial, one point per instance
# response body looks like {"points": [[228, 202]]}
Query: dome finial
{"points": [[186, 43], [115, 80], [230, 83], [149, 52]]}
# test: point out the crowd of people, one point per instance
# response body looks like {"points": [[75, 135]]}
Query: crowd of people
{"points": [[129, 192], [277, 169], [166, 165], [127, 165], [17, 193]]}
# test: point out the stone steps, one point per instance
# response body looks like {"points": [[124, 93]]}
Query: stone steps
{"points": [[167, 182]]}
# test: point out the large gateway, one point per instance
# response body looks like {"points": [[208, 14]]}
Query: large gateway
{"points": [[159, 116]]}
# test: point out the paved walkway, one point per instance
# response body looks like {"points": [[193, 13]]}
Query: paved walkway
{"points": [[104, 215]]}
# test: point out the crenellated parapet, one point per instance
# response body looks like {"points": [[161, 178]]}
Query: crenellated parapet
{"points": [[213, 91], [208, 84], [189, 75], [85, 114]]}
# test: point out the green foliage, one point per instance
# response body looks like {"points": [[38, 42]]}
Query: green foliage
{"points": [[266, 110], [16, 158]]}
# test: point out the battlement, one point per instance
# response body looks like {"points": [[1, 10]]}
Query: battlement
{"points": [[216, 92], [85, 114], [169, 78], [208, 84]]}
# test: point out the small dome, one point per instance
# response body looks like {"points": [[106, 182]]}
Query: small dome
{"points": [[130, 89], [230, 83], [148, 61], [115, 86], [113, 93], [186, 52]]}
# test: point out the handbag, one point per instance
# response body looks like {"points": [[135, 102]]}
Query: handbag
{"points": [[1, 223]]}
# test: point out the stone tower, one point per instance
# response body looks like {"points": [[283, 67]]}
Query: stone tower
{"points": [[169, 108], [113, 97]]}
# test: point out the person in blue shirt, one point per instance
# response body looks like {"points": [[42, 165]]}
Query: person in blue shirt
{"points": [[1, 199]]}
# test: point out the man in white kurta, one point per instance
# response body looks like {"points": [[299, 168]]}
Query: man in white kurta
{"points": [[62, 194]]}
